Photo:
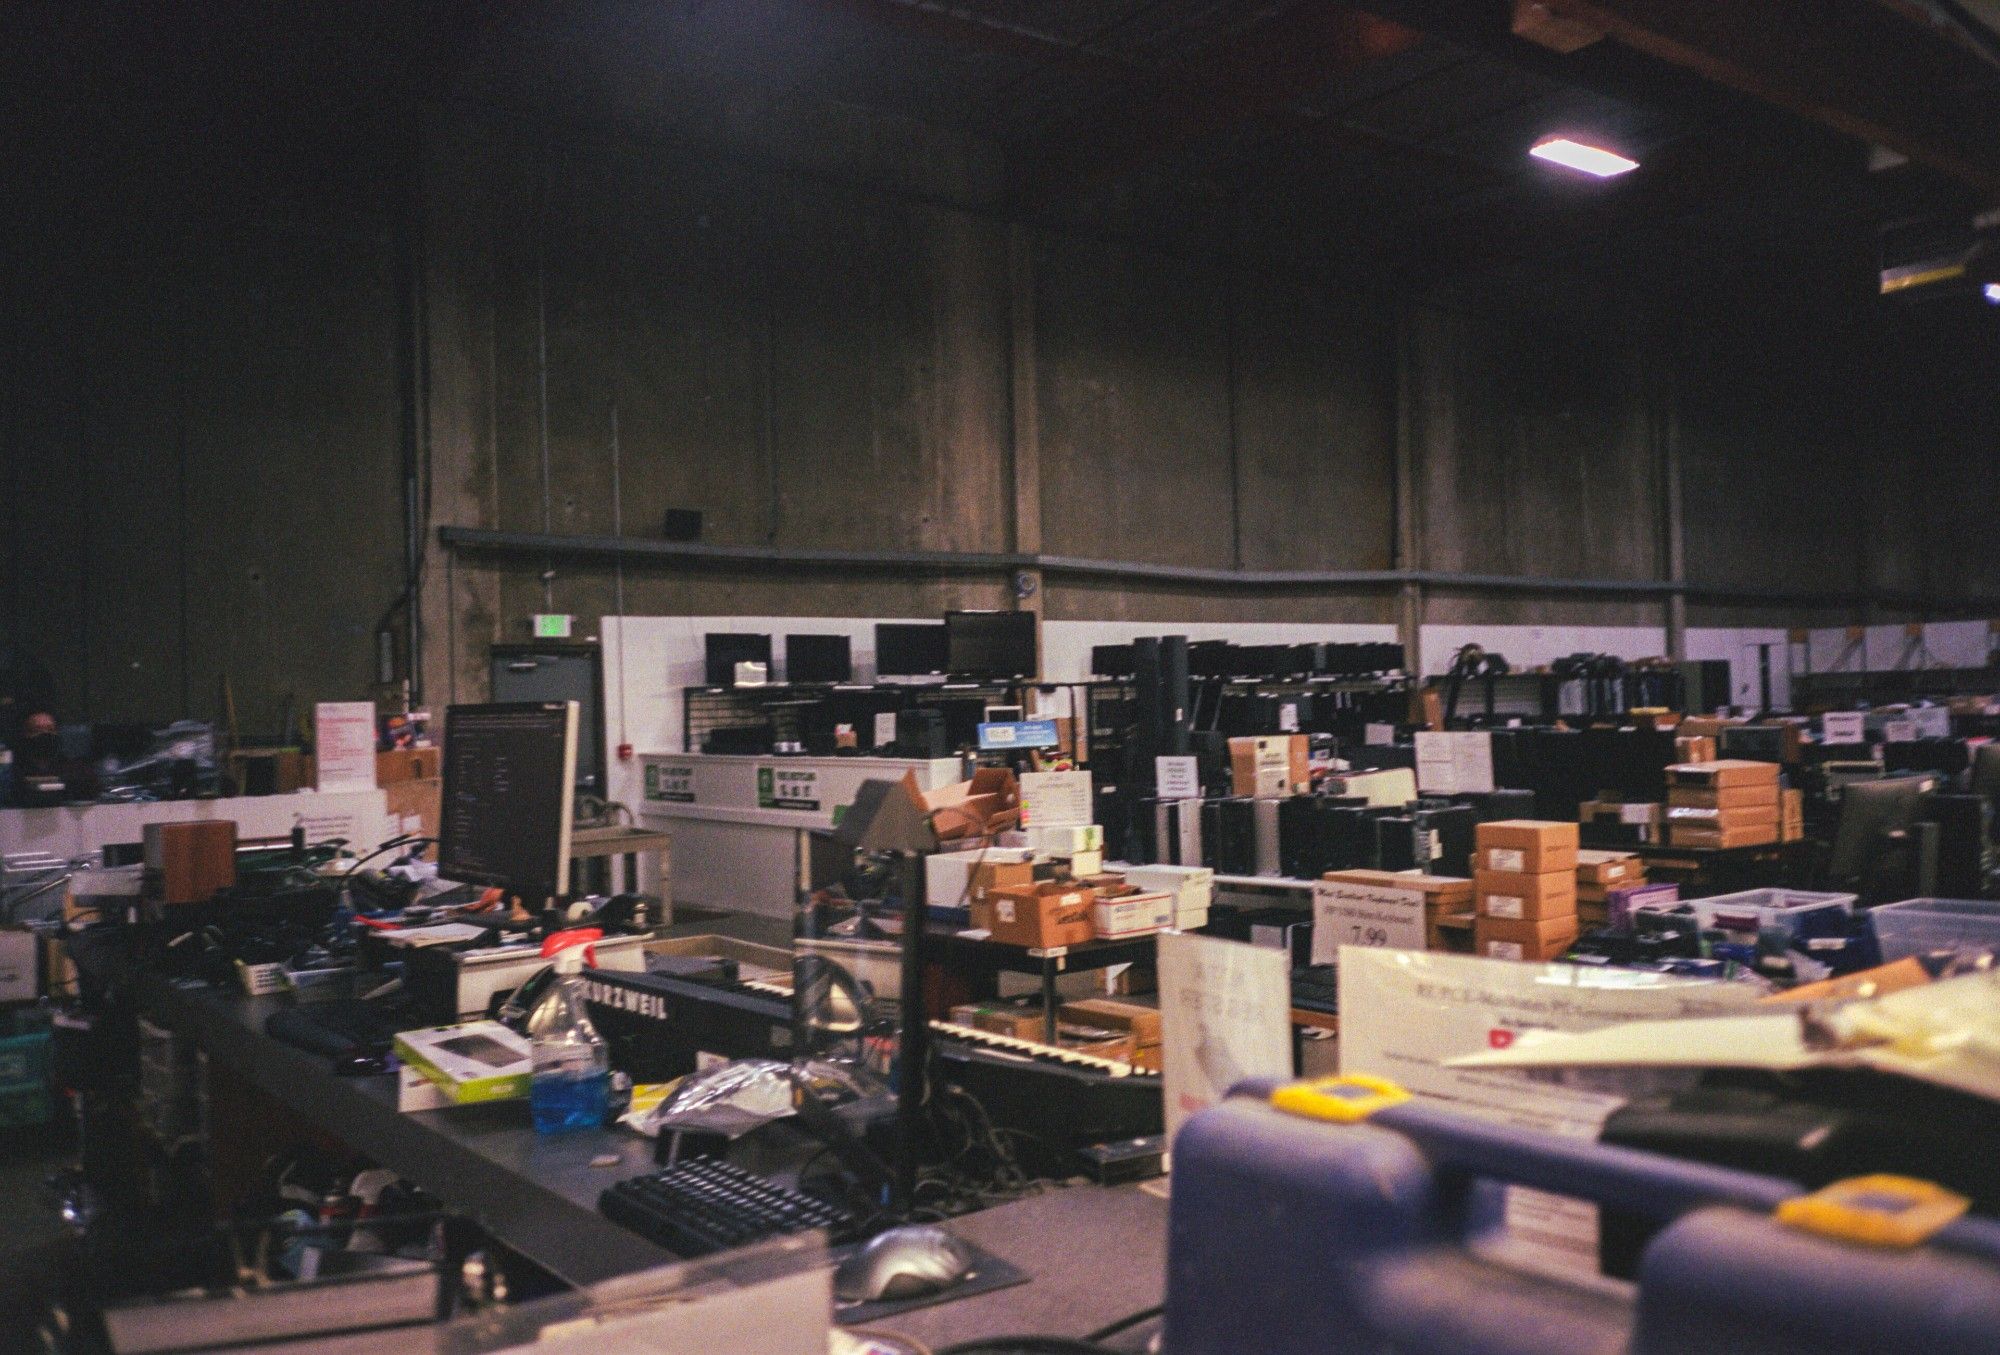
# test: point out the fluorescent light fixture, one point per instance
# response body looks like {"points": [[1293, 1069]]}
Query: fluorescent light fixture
{"points": [[1576, 155], [1991, 291]]}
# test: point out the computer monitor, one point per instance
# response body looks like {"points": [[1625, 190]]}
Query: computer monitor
{"points": [[724, 650], [508, 769], [549, 671], [817, 658], [910, 649], [991, 644], [1868, 810]]}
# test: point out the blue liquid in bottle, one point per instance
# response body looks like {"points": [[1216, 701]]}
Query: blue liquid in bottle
{"points": [[564, 1102]]}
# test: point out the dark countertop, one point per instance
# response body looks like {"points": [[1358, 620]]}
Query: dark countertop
{"points": [[539, 1193]]}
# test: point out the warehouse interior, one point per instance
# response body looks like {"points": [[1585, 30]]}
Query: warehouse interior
{"points": [[350, 340]]}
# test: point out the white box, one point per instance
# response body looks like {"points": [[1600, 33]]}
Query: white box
{"points": [[1082, 864], [1133, 915], [948, 875], [1066, 840], [1192, 888]]}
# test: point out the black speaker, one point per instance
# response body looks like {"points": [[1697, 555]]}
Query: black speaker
{"points": [[1964, 825], [1175, 698], [1229, 835]]}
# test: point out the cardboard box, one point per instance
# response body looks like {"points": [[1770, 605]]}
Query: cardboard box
{"points": [[993, 876], [1148, 1058], [1754, 816], [1694, 748], [1021, 1021], [1683, 836], [1590, 893], [408, 764], [1722, 775], [1270, 765], [414, 806], [1640, 821], [1043, 916], [1526, 846], [1504, 894], [1439, 891], [1608, 868], [1723, 797], [1104, 1044], [1450, 932], [188, 862], [948, 875], [1504, 939], [1192, 888], [987, 804], [1132, 914], [1081, 865], [1139, 1021], [1791, 815]]}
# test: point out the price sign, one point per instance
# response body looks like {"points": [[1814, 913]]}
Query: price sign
{"points": [[1365, 915]]}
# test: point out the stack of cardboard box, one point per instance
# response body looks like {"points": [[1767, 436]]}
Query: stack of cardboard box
{"points": [[1599, 873], [1730, 803], [1136, 1021], [1525, 882], [1270, 765]]}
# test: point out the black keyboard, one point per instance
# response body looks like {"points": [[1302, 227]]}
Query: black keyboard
{"points": [[1316, 988], [703, 1205]]}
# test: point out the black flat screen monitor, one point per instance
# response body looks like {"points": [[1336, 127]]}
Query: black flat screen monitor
{"points": [[559, 672], [905, 649], [817, 658], [991, 644], [725, 650], [508, 769]]}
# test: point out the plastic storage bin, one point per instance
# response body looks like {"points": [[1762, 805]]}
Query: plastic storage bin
{"points": [[1919, 925], [1800, 912], [1291, 1235], [25, 1098]]}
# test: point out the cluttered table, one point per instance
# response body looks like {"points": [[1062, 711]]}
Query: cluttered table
{"points": [[539, 1193]]}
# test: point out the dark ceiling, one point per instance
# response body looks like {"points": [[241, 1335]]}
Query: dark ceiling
{"points": [[1389, 135]]}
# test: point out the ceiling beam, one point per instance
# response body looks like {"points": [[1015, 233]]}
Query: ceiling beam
{"points": [[1857, 68]]}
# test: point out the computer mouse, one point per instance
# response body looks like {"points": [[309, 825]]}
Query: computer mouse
{"points": [[903, 1263]]}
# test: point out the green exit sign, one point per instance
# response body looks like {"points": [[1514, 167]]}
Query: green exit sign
{"points": [[550, 626]]}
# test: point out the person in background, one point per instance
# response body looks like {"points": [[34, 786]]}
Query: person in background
{"points": [[26, 690]]}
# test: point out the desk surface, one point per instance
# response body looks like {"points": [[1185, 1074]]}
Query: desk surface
{"points": [[539, 1193]]}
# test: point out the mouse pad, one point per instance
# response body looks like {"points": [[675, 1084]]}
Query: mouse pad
{"points": [[989, 1273]]}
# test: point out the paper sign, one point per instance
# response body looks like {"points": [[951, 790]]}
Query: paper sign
{"points": [[1932, 722], [344, 744], [787, 788], [1346, 914], [885, 728], [1225, 1014], [1900, 731], [1179, 777], [1403, 1015], [1459, 763], [1843, 726], [672, 782], [1288, 717], [1379, 736], [1056, 800]]}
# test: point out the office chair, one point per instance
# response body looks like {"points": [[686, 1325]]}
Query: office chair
{"points": [[1882, 851]]}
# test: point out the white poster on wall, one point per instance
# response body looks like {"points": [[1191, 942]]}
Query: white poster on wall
{"points": [[344, 744]]}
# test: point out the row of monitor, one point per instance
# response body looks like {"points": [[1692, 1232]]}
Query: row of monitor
{"points": [[1226, 659], [965, 644]]}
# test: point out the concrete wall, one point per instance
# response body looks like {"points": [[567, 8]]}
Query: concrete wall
{"points": [[654, 284]]}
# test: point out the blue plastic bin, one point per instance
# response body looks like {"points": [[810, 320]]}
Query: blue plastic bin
{"points": [[1295, 1236], [1916, 926]]}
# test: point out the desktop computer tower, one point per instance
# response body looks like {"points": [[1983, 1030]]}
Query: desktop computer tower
{"points": [[1177, 832], [1300, 849], [1265, 814], [1176, 698], [1451, 829], [1229, 836], [1143, 819]]}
